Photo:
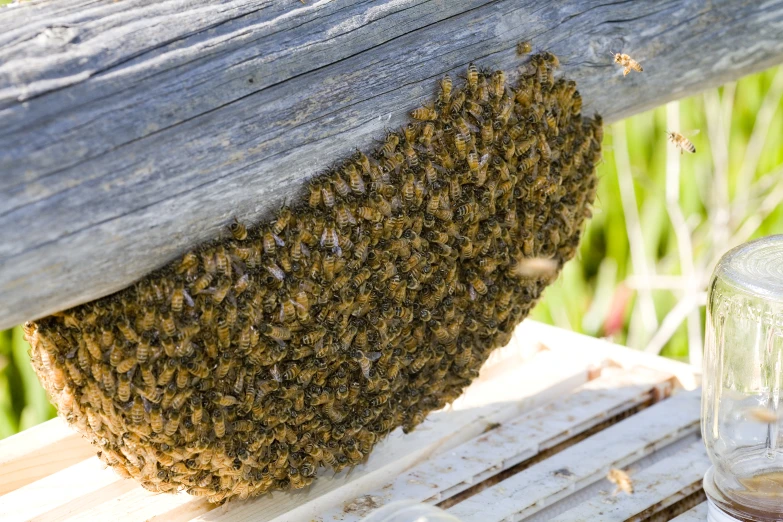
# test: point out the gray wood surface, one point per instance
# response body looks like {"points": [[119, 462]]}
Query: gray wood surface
{"points": [[133, 130]]}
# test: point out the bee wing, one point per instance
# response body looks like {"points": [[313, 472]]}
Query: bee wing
{"points": [[374, 356], [692, 133]]}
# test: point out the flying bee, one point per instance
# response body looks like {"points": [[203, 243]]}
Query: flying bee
{"points": [[535, 267], [763, 415], [682, 143], [628, 63], [620, 479]]}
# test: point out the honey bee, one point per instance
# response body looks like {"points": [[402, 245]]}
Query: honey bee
{"points": [[498, 83], [628, 63], [327, 194], [275, 271], [137, 411], [472, 77], [355, 180], [189, 261], [315, 194], [340, 185], [682, 143], [620, 479], [156, 419], [369, 214], [763, 415], [365, 361], [126, 365], [238, 230], [445, 89], [461, 145], [390, 145], [524, 48], [219, 423], [424, 113], [222, 261], [179, 399]]}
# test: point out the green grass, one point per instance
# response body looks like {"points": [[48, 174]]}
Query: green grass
{"points": [[23, 402], [724, 199]]}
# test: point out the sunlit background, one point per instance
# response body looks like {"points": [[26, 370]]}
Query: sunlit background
{"points": [[661, 222]]}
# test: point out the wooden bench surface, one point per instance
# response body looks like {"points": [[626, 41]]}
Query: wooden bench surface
{"points": [[532, 439]]}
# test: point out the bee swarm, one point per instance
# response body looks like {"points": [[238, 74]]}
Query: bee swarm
{"points": [[251, 362]]}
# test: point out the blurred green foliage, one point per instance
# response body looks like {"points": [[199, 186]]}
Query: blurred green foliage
{"points": [[593, 295], [729, 192], [23, 402]]}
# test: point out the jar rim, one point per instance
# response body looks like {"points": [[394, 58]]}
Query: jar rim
{"points": [[754, 268]]}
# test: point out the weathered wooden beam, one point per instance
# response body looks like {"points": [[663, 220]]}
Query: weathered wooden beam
{"points": [[131, 131]]}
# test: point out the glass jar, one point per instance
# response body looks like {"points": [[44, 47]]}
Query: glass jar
{"points": [[742, 411]]}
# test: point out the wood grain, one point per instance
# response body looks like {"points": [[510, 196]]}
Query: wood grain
{"points": [[38, 452], [134, 130]]}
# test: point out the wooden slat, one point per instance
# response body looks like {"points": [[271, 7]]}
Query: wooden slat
{"points": [[449, 473], [38, 452], [63, 493], [571, 343], [586, 462], [139, 504], [542, 377], [655, 488], [599, 488], [134, 130], [697, 514]]}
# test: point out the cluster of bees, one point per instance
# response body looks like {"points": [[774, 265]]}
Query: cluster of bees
{"points": [[251, 362]]}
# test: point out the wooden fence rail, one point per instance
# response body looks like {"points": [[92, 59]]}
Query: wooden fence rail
{"points": [[131, 131]]}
